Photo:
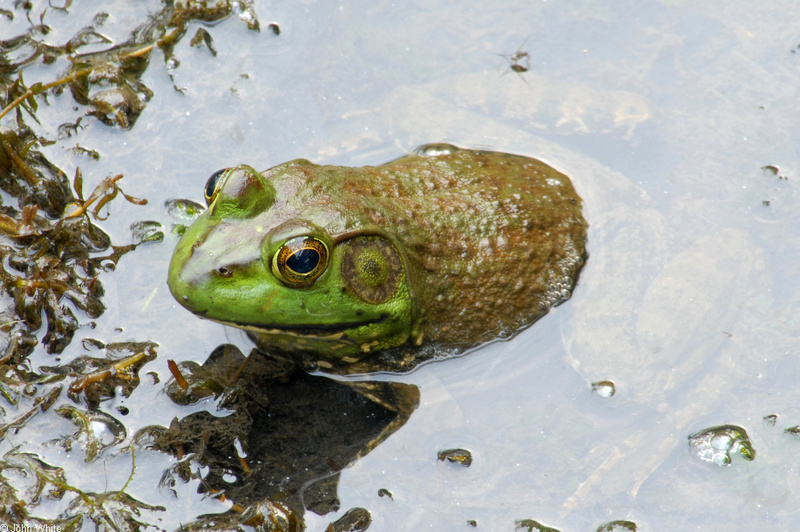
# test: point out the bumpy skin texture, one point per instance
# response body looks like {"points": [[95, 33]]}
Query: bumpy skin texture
{"points": [[447, 247]]}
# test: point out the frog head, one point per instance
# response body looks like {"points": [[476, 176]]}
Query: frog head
{"points": [[275, 256]]}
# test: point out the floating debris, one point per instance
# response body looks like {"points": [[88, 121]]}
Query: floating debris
{"points": [[266, 515], [617, 526], [96, 431], [147, 232], [354, 520], [793, 431], [99, 378], [773, 171], [604, 389], [529, 525], [461, 457], [716, 444]]}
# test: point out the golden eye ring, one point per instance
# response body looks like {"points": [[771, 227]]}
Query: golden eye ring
{"points": [[300, 260]]}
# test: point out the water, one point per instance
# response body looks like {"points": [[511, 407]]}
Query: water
{"points": [[664, 115]]}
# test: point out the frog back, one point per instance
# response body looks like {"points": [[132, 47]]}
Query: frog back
{"points": [[490, 240]]}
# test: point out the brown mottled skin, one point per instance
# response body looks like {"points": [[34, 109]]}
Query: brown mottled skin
{"points": [[484, 233]]}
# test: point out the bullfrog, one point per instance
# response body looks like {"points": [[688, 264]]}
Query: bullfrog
{"points": [[445, 247]]}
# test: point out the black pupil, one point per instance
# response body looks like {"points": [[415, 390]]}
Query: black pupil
{"points": [[303, 261], [211, 184]]}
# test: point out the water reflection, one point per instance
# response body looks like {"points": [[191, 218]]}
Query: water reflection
{"points": [[279, 437]]}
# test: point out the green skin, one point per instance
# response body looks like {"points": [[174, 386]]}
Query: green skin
{"points": [[447, 247]]}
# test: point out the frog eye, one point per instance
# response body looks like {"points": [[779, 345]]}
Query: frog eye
{"points": [[300, 260], [214, 185]]}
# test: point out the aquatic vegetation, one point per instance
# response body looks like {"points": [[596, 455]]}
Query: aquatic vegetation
{"points": [[51, 261], [53, 253]]}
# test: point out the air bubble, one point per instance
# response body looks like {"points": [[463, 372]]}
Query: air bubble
{"points": [[433, 150]]}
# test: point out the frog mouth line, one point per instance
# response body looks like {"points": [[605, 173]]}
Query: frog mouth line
{"points": [[328, 332]]}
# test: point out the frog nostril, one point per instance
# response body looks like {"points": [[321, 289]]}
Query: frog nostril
{"points": [[224, 271]]}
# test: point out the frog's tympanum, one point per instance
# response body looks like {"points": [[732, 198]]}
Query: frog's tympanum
{"points": [[333, 265]]}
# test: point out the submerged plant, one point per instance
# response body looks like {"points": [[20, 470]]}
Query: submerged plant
{"points": [[53, 253]]}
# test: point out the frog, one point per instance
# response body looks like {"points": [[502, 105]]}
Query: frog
{"points": [[427, 255]]}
